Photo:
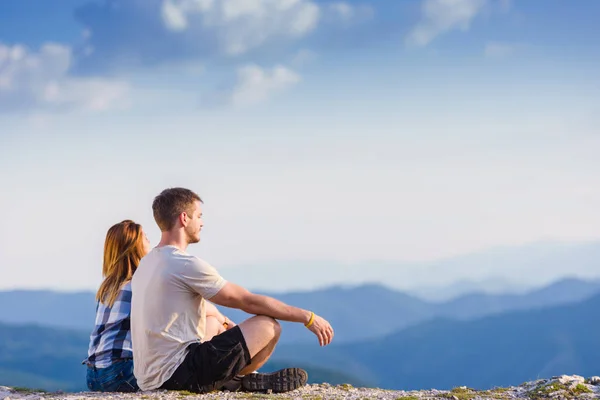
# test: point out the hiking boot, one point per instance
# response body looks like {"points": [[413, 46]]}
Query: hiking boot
{"points": [[233, 385], [284, 380]]}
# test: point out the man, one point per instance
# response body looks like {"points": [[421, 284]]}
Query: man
{"points": [[169, 324]]}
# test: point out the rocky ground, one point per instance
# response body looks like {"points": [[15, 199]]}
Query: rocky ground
{"points": [[557, 388]]}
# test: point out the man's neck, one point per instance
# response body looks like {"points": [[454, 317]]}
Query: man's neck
{"points": [[176, 239]]}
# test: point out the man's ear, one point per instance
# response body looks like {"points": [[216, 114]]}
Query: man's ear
{"points": [[183, 218]]}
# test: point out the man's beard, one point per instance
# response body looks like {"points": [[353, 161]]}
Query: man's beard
{"points": [[192, 238]]}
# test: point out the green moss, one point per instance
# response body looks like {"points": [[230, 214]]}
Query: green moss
{"points": [[248, 395], [463, 393], [19, 389], [544, 391], [495, 393], [407, 398], [581, 388], [346, 386]]}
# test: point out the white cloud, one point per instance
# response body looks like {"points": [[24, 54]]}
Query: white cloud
{"points": [[349, 13], [40, 79], [243, 25], [499, 50], [441, 16], [255, 84], [204, 30], [173, 16]]}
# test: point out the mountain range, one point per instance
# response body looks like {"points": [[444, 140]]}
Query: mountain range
{"points": [[502, 349], [498, 350], [381, 310]]}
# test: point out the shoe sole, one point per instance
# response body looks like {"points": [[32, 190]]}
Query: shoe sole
{"points": [[284, 380]]}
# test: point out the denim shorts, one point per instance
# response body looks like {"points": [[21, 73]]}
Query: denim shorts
{"points": [[116, 378]]}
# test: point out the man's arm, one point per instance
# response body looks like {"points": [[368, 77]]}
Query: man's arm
{"points": [[235, 296]]}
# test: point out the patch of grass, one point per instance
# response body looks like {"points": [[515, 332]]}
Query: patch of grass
{"points": [[460, 393], [544, 391], [407, 398], [346, 386], [19, 389], [495, 393], [580, 389], [463, 393]]}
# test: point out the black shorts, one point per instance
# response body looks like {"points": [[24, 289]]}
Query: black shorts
{"points": [[211, 364]]}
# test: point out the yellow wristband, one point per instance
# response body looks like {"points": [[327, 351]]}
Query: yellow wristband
{"points": [[311, 320]]}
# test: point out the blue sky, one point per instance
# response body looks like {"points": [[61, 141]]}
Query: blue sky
{"points": [[341, 131]]}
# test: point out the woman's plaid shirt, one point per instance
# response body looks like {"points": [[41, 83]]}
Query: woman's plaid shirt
{"points": [[111, 338]]}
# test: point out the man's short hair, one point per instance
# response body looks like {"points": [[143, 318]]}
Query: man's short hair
{"points": [[171, 202]]}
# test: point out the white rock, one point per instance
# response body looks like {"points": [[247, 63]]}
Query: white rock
{"points": [[595, 380], [567, 379]]}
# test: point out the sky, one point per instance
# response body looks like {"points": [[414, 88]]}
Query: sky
{"points": [[342, 132]]}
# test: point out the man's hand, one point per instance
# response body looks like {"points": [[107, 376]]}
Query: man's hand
{"points": [[228, 324], [322, 329]]}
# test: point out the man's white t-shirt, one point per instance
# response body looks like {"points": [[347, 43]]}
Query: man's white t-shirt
{"points": [[169, 289]]}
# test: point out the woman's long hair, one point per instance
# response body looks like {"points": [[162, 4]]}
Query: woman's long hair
{"points": [[123, 250]]}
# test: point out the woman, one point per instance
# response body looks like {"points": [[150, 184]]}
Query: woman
{"points": [[110, 356]]}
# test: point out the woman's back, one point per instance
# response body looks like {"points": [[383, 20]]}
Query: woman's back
{"points": [[110, 353], [111, 338]]}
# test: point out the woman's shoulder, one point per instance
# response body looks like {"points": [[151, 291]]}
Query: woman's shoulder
{"points": [[123, 297], [125, 292]]}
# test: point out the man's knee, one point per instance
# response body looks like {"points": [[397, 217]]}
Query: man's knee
{"points": [[270, 325], [260, 332], [277, 328]]}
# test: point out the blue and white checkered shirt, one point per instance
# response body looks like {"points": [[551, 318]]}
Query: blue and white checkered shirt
{"points": [[111, 338]]}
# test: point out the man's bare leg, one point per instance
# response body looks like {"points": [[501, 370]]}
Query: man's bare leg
{"points": [[261, 334]]}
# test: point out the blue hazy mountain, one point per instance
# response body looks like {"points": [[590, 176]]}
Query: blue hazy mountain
{"points": [[381, 309], [503, 349], [492, 285], [74, 310], [499, 350], [39, 357]]}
